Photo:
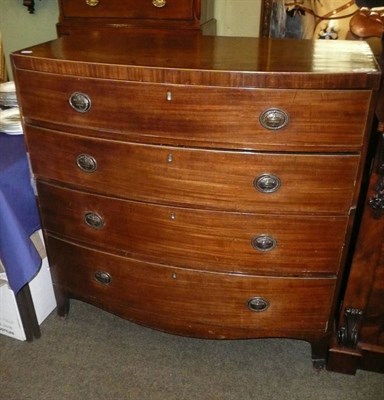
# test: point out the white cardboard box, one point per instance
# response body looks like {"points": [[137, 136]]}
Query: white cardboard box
{"points": [[42, 296], [10, 322]]}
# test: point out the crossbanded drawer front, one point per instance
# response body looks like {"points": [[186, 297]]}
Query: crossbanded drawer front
{"points": [[140, 9], [204, 116], [226, 180], [192, 302], [200, 239]]}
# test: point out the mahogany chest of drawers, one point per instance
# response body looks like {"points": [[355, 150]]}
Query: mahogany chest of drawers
{"points": [[203, 186]]}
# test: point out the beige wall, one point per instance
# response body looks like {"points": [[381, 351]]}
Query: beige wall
{"points": [[21, 29], [238, 17]]}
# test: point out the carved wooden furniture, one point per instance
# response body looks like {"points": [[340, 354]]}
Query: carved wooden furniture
{"points": [[328, 20], [358, 342], [203, 186], [117, 16], [359, 339], [368, 23]]}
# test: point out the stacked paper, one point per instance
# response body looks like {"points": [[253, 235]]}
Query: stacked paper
{"points": [[8, 94], [10, 121]]}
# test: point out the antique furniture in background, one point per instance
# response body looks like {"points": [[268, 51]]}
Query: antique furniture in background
{"points": [[307, 19], [117, 16], [3, 70], [359, 339], [30, 4], [187, 182]]}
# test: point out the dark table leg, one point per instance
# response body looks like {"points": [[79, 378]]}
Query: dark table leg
{"points": [[28, 314]]}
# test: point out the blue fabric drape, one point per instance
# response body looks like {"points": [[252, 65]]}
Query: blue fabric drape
{"points": [[19, 216]]}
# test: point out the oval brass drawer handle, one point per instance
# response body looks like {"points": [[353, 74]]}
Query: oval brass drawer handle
{"points": [[159, 3], [94, 220], [267, 183], [80, 102], [86, 163], [92, 3], [264, 243], [103, 277], [274, 119], [257, 304]]}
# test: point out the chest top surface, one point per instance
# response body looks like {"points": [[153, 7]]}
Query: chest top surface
{"points": [[208, 60]]}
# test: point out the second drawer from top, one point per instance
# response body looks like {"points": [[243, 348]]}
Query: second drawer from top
{"points": [[277, 183]]}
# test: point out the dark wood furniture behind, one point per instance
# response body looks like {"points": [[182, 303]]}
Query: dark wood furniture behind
{"points": [[203, 186], [358, 342], [117, 16]]}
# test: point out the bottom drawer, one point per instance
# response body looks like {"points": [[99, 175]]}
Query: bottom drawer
{"points": [[189, 302]]}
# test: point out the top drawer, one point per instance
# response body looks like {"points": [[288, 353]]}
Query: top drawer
{"points": [[136, 9], [258, 119]]}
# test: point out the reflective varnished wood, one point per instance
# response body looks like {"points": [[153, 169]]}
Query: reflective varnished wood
{"points": [[200, 239], [193, 303], [214, 113], [207, 185], [213, 179], [209, 60]]}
